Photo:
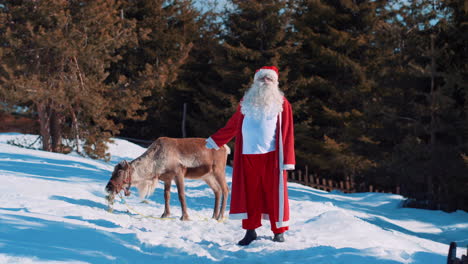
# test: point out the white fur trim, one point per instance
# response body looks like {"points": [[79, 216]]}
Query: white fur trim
{"points": [[265, 216], [228, 149], [238, 216], [211, 144], [288, 167], [267, 72], [280, 175], [282, 224]]}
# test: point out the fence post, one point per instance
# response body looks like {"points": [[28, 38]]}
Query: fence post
{"points": [[371, 188], [312, 179], [398, 190], [299, 175]]}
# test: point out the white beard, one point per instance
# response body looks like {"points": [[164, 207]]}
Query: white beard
{"points": [[262, 100]]}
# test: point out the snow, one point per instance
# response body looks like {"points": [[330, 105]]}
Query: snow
{"points": [[54, 211]]}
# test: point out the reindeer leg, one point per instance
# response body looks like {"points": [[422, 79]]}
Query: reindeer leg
{"points": [[217, 193], [167, 198], [179, 179], [224, 200], [218, 197], [219, 174]]}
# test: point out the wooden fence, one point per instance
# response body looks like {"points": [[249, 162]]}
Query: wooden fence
{"points": [[414, 200], [346, 186]]}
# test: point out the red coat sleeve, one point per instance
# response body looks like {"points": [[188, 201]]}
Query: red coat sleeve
{"points": [[225, 134], [288, 134]]}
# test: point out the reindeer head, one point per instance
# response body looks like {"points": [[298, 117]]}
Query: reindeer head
{"points": [[121, 179]]}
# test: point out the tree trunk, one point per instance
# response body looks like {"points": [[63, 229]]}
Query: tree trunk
{"points": [[56, 121], [75, 129], [433, 109], [44, 118], [184, 114], [433, 98]]}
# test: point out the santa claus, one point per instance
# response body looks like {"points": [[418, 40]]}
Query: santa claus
{"points": [[264, 150]]}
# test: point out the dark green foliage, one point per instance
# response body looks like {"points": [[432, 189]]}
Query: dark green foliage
{"points": [[418, 111], [254, 34], [328, 70], [166, 31]]}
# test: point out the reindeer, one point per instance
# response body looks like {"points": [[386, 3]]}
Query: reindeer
{"points": [[175, 159]]}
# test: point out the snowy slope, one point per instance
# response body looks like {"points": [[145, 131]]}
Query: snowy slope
{"points": [[54, 211]]}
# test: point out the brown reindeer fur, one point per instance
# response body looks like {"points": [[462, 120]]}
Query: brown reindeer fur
{"points": [[169, 159]]}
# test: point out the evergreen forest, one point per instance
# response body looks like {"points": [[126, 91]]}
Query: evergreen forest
{"points": [[379, 88]]}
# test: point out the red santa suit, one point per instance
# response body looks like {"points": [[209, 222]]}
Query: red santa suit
{"points": [[259, 181]]}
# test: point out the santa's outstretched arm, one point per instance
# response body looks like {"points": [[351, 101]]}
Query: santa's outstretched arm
{"points": [[225, 134]]}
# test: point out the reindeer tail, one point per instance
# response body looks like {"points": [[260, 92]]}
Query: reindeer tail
{"points": [[228, 149]]}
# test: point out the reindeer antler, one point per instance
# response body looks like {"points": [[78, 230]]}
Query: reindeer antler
{"points": [[124, 164]]}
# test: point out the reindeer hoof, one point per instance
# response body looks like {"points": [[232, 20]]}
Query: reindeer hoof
{"points": [[165, 215], [110, 209], [184, 218], [145, 201]]}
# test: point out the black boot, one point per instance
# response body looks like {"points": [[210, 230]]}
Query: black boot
{"points": [[279, 237], [250, 236]]}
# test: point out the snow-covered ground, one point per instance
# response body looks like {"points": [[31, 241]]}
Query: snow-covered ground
{"points": [[54, 210]]}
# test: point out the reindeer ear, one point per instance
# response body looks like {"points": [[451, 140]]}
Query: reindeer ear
{"points": [[123, 164]]}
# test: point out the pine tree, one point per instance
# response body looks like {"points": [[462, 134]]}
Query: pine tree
{"points": [[254, 35], [166, 32], [56, 55], [200, 86]]}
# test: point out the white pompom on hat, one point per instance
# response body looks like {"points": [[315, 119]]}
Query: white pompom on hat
{"points": [[270, 71]]}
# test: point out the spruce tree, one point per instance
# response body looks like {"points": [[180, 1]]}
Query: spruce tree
{"points": [[254, 35], [417, 109], [329, 71]]}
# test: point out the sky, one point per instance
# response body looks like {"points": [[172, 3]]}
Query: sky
{"points": [[205, 5], [54, 211]]}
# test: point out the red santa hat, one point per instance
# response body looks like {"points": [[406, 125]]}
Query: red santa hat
{"points": [[270, 71]]}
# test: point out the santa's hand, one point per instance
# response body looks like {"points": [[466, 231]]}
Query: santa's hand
{"points": [[210, 144]]}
